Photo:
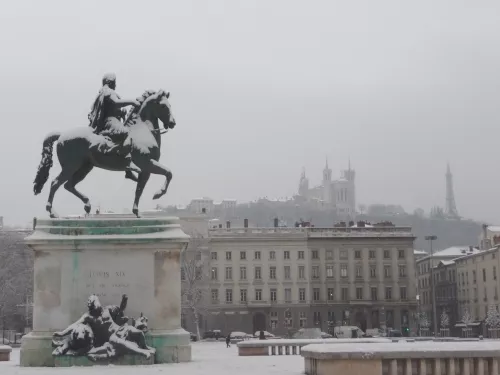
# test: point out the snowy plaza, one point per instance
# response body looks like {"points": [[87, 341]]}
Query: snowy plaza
{"points": [[208, 358]]}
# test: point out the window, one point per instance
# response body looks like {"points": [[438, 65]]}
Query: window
{"points": [[302, 319], [272, 255], [388, 293], [374, 294], [402, 271], [343, 254], [473, 277], [229, 273], [329, 272], [258, 294], [302, 272], [387, 271], [494, 272], [401, 254], [402, 293], [229, 296], [329, 254], [329, 294], [359, 293], [286, 254], [213, 255], [258, 273], [343, 270], [301, 254], [257, 255], [357, 254], [316, 294], [359, 272], [387, 254], [198, 255], [315, 254], [317, 318], [345, 294], [484, 274], [228, 255], [213, 273], [274, 319], [288, 319], [315, 272], [272, 273], [243, 295], [302, 294], [243, 255], [373, 271], [274, 295], [243, 273], [215, 295], [288, 295], [199, 273], [371, 254], [287, 273], [183, 274]]}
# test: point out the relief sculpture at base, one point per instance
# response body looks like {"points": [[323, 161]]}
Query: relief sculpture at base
{"points": [[103, 333]]}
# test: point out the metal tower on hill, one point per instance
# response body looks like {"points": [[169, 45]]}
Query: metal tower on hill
{"points": [[451, 208]]}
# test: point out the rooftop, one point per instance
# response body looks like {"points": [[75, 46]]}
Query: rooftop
{"points": [[452, 252]]}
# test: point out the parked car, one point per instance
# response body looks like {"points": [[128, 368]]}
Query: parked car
{"points": [[394, 333], [214, 334], [193, 336]]}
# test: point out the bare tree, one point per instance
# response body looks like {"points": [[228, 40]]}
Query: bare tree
{"points": [[445, 319], [16, 277], [492, 317], [194, 280]]}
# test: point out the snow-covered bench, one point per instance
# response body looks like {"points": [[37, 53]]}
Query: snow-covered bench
{"points": [[5, 353], [293, 347], [404, 358]]}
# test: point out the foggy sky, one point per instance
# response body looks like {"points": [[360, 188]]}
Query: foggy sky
{"points": [[259, 90]]}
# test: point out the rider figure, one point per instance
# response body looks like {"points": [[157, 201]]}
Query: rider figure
{"points": [[106, 118]]}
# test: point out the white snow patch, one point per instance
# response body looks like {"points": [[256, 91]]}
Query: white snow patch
{"points": [[208, 357]]}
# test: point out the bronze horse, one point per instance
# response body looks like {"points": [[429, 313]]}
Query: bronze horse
{"points": [[79, 150]]}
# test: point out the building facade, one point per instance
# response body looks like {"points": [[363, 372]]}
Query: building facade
{"points": [[284, 279], [332, 194]]}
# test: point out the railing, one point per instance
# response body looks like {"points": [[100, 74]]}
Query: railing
{"points": [[412, 358], [293, 347], [493, 333]]}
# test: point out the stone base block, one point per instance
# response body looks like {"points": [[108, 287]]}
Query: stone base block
{"points": [[126, 360], [171, 346], [5, 353], [36, 350], [245, 351]]}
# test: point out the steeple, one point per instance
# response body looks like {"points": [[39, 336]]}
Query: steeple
{"points": [[451, 208], [327, 173]]}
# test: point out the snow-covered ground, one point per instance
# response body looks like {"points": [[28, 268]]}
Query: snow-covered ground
{"points": [[208, 358]]}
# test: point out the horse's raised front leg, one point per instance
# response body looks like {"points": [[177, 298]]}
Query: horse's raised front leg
{"points": [[56, 184], [156, 167], [143, 179], [77, 177]]}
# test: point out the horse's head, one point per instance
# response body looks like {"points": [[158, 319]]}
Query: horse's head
{"points": [[157, 105], [141, 323]]}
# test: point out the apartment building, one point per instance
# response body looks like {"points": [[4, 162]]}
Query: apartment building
{"points": [[478, 283], [283, 279]]}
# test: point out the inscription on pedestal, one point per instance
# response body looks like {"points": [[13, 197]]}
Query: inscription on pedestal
{"points": [[107, 283]]}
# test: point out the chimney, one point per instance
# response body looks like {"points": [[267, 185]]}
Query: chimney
{"points": [[276, 222], [245, 223], [228, 224]]}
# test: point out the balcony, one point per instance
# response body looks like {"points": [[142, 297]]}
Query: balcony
{"points": [[260, 303]]}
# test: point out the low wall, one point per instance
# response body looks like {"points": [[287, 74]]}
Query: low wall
{"points": [[293, 347], [5, 351], [404, 358]]}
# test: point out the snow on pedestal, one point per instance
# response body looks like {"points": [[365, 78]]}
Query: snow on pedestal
{"points": [[108, 257]]}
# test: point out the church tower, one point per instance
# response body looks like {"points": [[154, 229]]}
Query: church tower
{"points": [[451, 208], [327, 184], [304, 185]]}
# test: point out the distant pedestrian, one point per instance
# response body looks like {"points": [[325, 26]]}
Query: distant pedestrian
{"points": [[228, 340]]}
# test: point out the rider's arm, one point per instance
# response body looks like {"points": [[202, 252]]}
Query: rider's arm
{"points": [[121, 102], [71, 326]]}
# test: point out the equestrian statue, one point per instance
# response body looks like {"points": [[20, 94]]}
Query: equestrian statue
{"points": [[115, 140]]}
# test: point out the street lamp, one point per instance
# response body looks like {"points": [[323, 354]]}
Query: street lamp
{"points": [[434, 316]]}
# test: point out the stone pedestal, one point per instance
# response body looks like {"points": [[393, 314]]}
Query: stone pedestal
{"points": [[107, 255]]}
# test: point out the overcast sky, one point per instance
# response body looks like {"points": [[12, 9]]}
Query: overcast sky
{"points": [[259, 90]]}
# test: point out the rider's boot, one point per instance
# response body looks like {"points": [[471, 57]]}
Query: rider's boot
{"points": [[131, 167]]}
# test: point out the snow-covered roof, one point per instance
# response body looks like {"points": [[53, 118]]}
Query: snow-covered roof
{"points": [[455, 251], [365, 226], [419, 252], [447, 262], [493, 228]]}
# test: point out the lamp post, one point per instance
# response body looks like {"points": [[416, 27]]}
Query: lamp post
{"points": [[434, 317]]}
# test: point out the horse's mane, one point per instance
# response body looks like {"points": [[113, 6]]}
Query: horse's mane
{"points": [[133, 114]]}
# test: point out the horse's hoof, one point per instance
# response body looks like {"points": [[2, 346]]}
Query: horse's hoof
{"points": [[159, 194], [88, 207], [135, 211], [53, 215]]}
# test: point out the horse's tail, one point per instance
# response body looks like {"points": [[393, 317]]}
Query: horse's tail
{"points": [[42, 175]]}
